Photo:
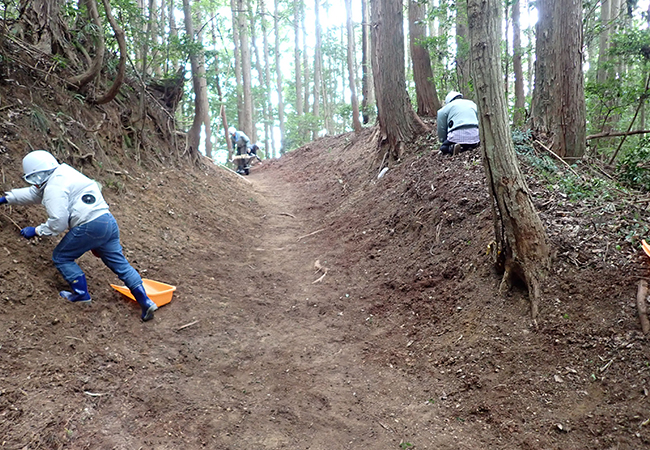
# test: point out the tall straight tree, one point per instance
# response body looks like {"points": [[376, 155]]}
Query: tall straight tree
{"points": [[305, 61], [278, 72], [261, 100], [356, 123], [462, 50], [603, 40], [198, 83], [521, 249], [398, 123], [237, 58], [269, 141], [558, 106], [297, 65], [246, 114], [517, 52], [318, 74], [425, 89], [367, 83]]}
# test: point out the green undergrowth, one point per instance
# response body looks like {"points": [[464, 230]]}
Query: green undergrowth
{"points": [[613, 201]]}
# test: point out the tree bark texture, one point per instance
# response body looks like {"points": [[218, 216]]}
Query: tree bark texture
{"points": [[425, 89], [356, 123], [521, 244], [269, 136], [558, 107], [297, 65], [517, 52], [603, 41], [318, 73], [246, 113], [194, 134], [41, 25], [121, 67], [278, 75], [237, 58], [398, 122], [462, 51], [80, 81], [367, 83]]}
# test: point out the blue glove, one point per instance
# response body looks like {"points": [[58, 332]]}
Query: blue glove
{"points": [[3, 200], [28, 232]]}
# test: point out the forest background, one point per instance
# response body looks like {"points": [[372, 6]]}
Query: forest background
{"points": [[289, 71]]}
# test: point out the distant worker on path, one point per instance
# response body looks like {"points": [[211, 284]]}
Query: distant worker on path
{"points": [[74, 201], [241, 146], [458, 124], [240, 141]]}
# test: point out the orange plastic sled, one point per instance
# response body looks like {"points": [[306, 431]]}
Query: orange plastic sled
{"points": [[646, 247], [159, 293]]}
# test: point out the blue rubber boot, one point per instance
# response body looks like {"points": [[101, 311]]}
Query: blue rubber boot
{"points": [[79, 292], [147, 305]]}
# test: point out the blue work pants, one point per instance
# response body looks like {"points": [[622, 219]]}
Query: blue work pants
{"points": [[101, 235]]}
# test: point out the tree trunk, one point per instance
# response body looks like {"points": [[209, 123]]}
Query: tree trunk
{"points": [[305, 62], [603, 41], [217, 85], [367, 83], [356, 123], [198, 83], [517, 51], [41, 25], [278, 74], [203, 97], [244, 46], [462, 51], [521, 244], [296, 54], [425, 89], [173, 33], [269, 141], [237, 55], [558, 107], [121, 67], [398, 123], [317, 70], [260, 76], [81, 80]]}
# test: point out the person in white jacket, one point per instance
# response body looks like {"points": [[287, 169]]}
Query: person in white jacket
{"points": [[75, 202]]}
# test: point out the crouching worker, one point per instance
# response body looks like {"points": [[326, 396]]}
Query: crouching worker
{"points": [[240, 144], [74, 201], [458, 124]]}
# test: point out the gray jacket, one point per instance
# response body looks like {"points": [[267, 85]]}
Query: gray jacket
{"points": [[459, 113]]}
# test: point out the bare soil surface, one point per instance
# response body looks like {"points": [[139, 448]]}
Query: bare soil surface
{"points": [[317, 307]]}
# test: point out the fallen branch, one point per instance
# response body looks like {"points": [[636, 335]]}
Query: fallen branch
{"points": [[93, 394], [287, 214], [12, 221], [311, 234], [188, 325], [641, 295], [605, 134], [221, 166], [559, 159]]}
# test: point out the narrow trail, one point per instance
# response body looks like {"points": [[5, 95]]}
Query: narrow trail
{"points": [[298, 367]]}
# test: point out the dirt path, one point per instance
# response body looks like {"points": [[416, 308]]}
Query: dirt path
{"points": [[251, 353], [298, 369]]}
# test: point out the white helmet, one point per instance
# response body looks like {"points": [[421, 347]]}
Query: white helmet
{"points": [[232, 130], [453, 95], [38, 166]]}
